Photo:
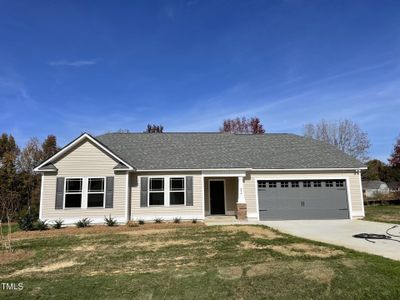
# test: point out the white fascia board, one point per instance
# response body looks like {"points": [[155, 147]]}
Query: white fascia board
{"points": [[239, 170], [73, 144]]}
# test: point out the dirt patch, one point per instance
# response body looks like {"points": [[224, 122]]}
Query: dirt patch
{"points": [[350, 263], [48, 268], [230, 273], [85, 248], [320, 273], [261, 269], [301, 249], [103, 229], [18, 255], [254, 231], [156, 245], [148, 231], [249, 245]]}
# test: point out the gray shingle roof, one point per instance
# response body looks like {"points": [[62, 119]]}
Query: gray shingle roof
{"points": [[222, 150]]}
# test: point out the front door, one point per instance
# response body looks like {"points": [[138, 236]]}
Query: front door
{"points": [[217, 197]]}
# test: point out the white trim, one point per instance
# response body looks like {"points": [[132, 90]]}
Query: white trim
{"points": [[203, 196], [166, 190], [198, 170], [127, 213], [95, 220], [226, 173], [167, 217], [253, 170], [85, 192], [240, 186], [41, 197], [65, 192], [284, 178], [361, 194], [78, 140], [104, 191], [209, 194]]}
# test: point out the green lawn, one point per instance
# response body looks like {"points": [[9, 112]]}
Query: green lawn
{"points": [[383, 213], [192, 263], [14, 227]]}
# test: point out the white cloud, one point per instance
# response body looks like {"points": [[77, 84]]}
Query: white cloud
{"points": [[76, 63]]}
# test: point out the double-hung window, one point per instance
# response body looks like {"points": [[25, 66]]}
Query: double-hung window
{"points": [[156, 191], [177, 191], [73, 192], [96, 192]]}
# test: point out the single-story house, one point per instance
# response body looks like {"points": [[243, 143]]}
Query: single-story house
{"points": [[133, 176], [372, 188], [394, 186]]}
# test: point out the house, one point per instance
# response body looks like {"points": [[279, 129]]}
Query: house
{"points": [[372, 188], [193, 175], [394, 186]]}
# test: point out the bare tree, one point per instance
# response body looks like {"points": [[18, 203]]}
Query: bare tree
{"points": [[153, 128], [243, 125], [344, 134], [8, 207]]}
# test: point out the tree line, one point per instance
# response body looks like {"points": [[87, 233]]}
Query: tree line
{"points": [[19, 184]]}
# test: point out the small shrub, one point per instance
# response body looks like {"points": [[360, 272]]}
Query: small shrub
{"points": [[158, 220], [177, 220], [132, 224], [42, 225], [141, 222], [58, 224], [194, 221], [85, 222], [27, 222], [110, 221]]}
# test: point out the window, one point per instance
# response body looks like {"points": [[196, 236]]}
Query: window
{"points": [[262, 184], [339, 183], [177, 191], [73, 192], [306, 184], [272, 184], [96, 192], [317, 183], [329, 183], [295, 184], [156, 191], [284, 184]]}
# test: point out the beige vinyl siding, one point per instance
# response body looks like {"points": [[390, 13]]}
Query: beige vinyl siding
{"points": [[85, 160], [231, 193], [167, 212], [250, 189]]}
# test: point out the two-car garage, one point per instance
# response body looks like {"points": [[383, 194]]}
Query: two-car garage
{"points": [[302, 199]]}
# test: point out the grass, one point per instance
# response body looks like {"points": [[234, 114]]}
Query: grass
{"points": [[183, 262], [14, 228], [383, 213]]}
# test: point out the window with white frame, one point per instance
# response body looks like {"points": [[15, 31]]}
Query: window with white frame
{"points": [[177, 191], [73, 192], [156, 191], [96, 192]]}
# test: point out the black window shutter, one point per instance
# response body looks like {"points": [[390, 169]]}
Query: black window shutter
{"points": [[143, 191], [110, 192], [189, 190], [59, 192]]}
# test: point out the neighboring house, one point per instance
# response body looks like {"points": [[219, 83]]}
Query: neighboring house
{"points": [[394, 186], [193, 175], [372, 188]]}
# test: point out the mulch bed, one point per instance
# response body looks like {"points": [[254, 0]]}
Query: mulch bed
{"points": [[99, 229]]}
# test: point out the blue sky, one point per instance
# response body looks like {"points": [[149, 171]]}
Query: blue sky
{"points": [[98, 66]]}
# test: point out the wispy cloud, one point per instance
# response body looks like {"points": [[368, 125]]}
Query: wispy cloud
{"points": [[76, 63]]}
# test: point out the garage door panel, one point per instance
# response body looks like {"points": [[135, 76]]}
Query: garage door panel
{"points": [[310, 200]]}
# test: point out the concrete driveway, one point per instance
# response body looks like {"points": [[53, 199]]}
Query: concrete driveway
{"points": [[340, 232]]}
